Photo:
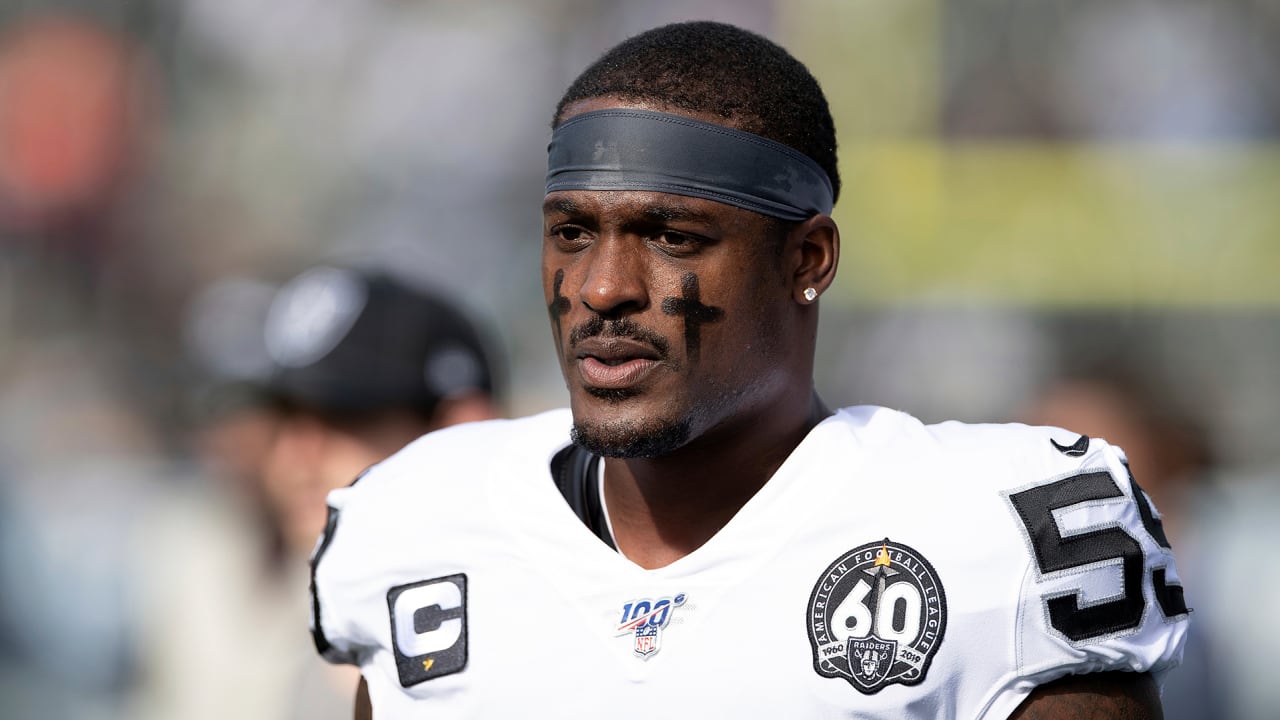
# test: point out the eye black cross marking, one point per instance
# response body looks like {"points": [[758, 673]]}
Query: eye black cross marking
{"points": [[694, 312], [559, 304]]}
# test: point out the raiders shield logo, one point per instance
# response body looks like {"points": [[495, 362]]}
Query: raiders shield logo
{"points": [[870, 660], [877, 616]]}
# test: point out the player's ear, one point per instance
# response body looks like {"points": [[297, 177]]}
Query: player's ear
{"points": [[814, 246]]}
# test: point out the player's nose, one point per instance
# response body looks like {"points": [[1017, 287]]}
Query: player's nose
{"points": [[614, 282]]}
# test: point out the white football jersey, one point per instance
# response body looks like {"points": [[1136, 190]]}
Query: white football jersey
{"points": [[889, 569]]}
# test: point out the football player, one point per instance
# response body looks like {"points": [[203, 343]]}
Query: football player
{"points": [[698, 534]]}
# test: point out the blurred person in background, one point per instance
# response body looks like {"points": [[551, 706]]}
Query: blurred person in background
{"points": [[363, 364], [360, 363], [233, 423]]}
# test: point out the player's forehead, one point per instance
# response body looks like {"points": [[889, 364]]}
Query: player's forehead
{"points": [[641, 205]]}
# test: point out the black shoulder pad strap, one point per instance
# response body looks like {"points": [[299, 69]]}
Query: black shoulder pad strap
{"points": [[574, 470]]}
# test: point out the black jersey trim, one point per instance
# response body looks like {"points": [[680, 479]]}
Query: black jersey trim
{"points": [[323, 646], [574, 470]]}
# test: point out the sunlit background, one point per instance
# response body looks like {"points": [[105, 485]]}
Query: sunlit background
{"points": [[1037, 195]]}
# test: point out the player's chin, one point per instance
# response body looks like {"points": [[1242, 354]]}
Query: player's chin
{"points": [[627, 436], [608, 407]]}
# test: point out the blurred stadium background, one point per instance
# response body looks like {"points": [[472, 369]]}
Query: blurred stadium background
{"points": [[1033, 192]]}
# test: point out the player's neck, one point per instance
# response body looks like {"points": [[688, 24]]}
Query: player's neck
{"points": [[662, 509]]}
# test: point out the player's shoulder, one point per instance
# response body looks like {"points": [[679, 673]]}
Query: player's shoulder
{"points": [[1002, 452], [890, 425], [486, 440], [1018, 440], [457, 458], [414, 514]]}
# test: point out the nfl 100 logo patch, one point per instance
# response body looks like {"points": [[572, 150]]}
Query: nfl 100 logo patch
{"points": [[644, 620], [877, 616]]}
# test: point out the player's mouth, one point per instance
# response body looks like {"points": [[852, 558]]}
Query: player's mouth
{"points": [[612, 363]]}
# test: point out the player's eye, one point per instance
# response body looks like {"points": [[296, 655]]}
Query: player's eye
{"points": [[677, 242], [568, 237]]}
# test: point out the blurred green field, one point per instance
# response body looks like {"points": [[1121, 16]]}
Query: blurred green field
{"points": [[1057, 222], [1054, 224]]}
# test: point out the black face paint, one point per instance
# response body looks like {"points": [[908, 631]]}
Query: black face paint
{"points": [[559, 304], [694, 312]]}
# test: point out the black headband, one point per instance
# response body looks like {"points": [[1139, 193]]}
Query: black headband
{"points": [[628, 149]]}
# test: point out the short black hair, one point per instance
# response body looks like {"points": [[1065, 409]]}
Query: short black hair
{"points": [[711, 67]]}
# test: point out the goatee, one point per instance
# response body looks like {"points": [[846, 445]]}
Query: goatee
{"points": [[625, 440]]}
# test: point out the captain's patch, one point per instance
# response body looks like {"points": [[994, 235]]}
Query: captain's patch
{"points": [[429, 628], [877, 616]]}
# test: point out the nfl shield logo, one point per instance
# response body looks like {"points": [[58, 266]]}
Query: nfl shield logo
{"points": [[870, 659], [646, 640], [643, 619]]}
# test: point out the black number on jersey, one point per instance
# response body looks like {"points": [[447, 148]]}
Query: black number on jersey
{"points": [[1171, 598], [1055, 552]]}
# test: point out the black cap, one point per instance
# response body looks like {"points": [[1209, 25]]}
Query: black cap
{"points": [[347, 340]]}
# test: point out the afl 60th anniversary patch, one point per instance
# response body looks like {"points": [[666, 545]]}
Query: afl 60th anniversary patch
{"points": [[877, 616]]}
